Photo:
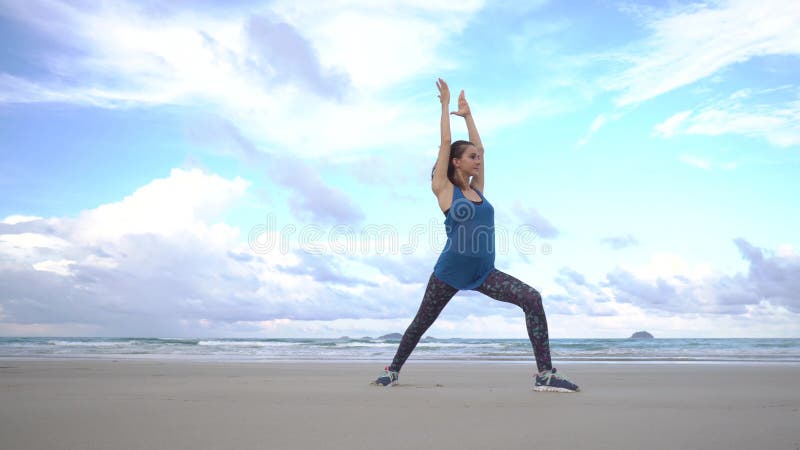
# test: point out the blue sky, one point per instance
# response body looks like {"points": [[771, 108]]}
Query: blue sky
{"points": [[154, 158]]}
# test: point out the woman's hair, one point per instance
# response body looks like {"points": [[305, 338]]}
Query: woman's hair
{"points": [[456, 151]]}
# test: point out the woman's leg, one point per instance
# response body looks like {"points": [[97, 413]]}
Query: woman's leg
{"points": [[437, 294], [504, 287]]}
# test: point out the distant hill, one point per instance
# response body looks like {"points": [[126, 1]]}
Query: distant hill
{"points": [[393, 336], [641, 335]]}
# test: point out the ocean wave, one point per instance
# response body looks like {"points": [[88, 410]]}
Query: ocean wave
{"points": [[93, 343], [223, 343], [591, 350]]}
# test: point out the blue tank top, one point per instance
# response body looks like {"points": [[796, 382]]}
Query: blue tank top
{"points": [[468, 255]]}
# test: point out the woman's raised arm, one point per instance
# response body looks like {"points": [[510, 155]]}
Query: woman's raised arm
{"points": [[474, 137], [440, 179]]}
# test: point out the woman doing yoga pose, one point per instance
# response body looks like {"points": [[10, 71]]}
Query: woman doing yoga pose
{"points": [[467, 260]]}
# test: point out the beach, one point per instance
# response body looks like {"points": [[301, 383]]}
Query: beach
{"points": [[152, 404]]}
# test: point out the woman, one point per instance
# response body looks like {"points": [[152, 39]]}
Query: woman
{"points": [[467, 261]]}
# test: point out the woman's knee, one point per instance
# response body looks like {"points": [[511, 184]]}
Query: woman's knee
{"points": [[530, 298]]}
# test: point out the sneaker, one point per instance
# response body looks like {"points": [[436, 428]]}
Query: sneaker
{"points": [[387, 378], [550, 381]]}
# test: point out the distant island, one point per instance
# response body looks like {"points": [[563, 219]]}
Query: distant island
{"points": [[641, 335], [391, 336]]}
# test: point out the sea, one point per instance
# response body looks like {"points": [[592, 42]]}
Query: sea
{"points": [[640, 351]]}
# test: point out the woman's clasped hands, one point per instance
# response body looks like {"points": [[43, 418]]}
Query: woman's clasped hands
{"points": [[444, 98]]}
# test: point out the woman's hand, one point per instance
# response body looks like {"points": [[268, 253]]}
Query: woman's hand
{"points": [[463, 106], [444, 92]]}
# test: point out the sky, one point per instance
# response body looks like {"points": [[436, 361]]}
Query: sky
{"points": [[244, 169]]}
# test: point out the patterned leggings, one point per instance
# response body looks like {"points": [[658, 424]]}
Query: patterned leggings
{"points": [[499, 286]]}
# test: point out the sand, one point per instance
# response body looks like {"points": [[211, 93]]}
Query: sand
{"points": [[131, 404]]}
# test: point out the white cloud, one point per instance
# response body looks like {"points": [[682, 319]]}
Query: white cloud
{"points": [[160, 262], [274, 71], [786, 250], [60, 267], [695, 41], [48, 329], [365, 42], [696, 162], [745, 112], [597, 123], [23, 246], [32, 240], [670, 126], [203, 281], [15, 219], [670, 285], [780, 126], [664, 265], [186, 200], [324, 79], [515, 112]]}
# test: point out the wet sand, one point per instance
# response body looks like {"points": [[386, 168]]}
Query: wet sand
{"points": [[157, 404]]}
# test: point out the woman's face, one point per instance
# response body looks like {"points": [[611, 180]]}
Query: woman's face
{"points": [[470, 161]]}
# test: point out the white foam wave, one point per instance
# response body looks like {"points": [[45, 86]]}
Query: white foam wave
{"points": [[368, 344], [93, 343], [249, 344], [422, 344]]}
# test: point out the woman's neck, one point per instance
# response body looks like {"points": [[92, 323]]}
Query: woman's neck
{"points": [[463, 182]]}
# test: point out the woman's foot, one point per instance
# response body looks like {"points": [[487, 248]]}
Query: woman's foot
{"points": [[550, 381], [387, 378]]}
